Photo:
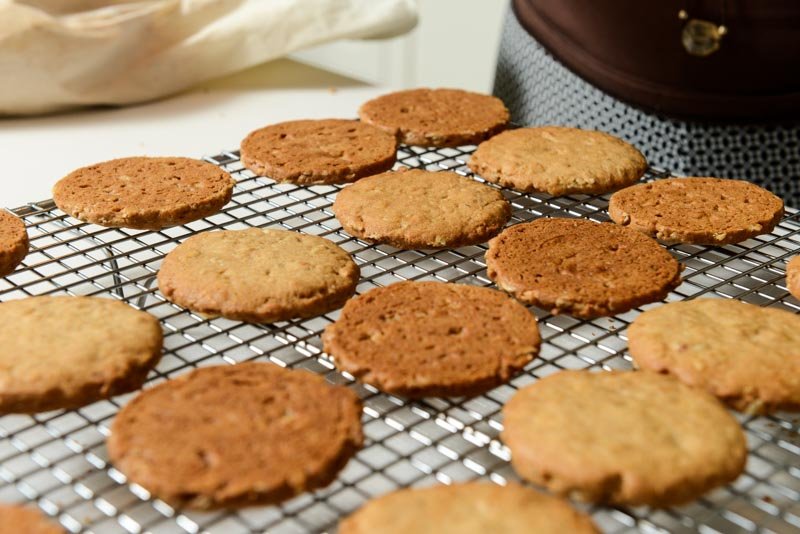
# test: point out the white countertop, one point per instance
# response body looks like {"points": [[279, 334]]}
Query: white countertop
{"points": [[206, 120]]}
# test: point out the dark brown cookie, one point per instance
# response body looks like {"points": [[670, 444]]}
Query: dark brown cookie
{"points": [[423, 339], [793, 276], [580, 267], [144, 193], [705, 211], [437, 117], [16, 519], [236, 435], [13, 242], [421, 209], [328, 151]]}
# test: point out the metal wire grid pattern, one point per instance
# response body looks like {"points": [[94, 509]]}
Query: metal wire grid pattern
{"points": [[58, 459]]}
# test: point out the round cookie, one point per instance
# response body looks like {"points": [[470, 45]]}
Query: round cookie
{"points": [[13, 242], [746, 355], [468, 508], [622, 438], [558, 160], [793, 277], [258, 275], [236, 435], [22, 519], [144, 193], [66, 352], [445, 339], [703, 211], [329, 151], [421, 209], [437, 117], [579, 267]]}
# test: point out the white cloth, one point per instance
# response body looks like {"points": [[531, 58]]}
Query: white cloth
{"points": [[56, 54]]}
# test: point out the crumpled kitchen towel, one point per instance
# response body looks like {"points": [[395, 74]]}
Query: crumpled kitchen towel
{"points": [[56, 54]]}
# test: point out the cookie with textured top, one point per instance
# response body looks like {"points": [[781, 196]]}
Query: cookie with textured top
{"points": [[558, 160], [329, 151], [704, 211], [468, 508], [13, 242], [258, 275], [746, 355], [144, 193], [66, 352], [421, 209], [622, 438], [793, 276], [236, 435], [16, 519], [437, 117], [580, 267], [445, 339]]}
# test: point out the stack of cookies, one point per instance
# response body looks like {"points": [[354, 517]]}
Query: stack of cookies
{"points": [[255, 434]]}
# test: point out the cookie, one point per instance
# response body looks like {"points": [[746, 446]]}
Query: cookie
{"points": [[66, 352], [258, 275], [13, 242], [442, 339], [330, 151], [558, 160], [437, 117], [421, 209], [793, 277], [703, 211], [746, 355], [579, 267], [16, 519], [468, 508], [622, 438], [236, 435], [144, 193]]}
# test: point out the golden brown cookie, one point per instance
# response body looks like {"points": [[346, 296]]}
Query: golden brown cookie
{"points": [[16, 519], [469, 508], [144, 193], [437, 117], [328, 151], [13, 242], [580, 267], [258, 275], [66, 352], [746, 355], [236, 435], [558, 160], [623, 438], [793, 276], [704, 211], [421, 209], [426, 339]]}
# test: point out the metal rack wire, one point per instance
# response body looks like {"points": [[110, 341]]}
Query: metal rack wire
{"points": [[58, 459]]}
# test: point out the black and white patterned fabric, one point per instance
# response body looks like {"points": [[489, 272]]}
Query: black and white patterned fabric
{"points": [[539, 90]]}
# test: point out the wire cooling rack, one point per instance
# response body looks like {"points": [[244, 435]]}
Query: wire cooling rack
{"points": [[58, 460]]}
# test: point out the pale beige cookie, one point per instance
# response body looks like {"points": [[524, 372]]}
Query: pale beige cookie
{"points": [[468, 508], [13, 242], [580, 267], [437, 117], [66, 352], [558, 160], [144, 193], [704, 211], [445, 339], [236, 435], [793, 276], [258, 275], [16, 519], [746, 355], [622, 438], [328, 151], [421, 209]]}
